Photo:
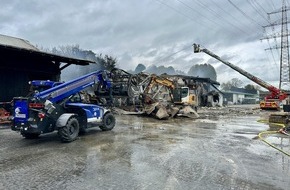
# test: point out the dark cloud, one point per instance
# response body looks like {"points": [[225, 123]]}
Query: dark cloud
{"points": [[149, 32]]}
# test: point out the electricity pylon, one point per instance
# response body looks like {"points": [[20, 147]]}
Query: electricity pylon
{"points": [[284, 45]]}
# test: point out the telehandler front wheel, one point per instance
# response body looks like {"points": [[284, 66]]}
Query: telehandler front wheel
{"points": [[109, 122], [70, 131]]}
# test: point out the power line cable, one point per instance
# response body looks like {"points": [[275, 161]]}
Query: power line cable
{"points": [[243, 13], [199, 13], [195, 20], [257, 10], [273, 5], [220, 24], [227, 12], [219, 16], [259, 5], [274, 59], [164, 58], [275, 40], [181, 13]]}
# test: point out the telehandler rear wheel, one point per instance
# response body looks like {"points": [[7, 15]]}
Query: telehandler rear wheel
{"points": [[108, 122], [70, 131]]}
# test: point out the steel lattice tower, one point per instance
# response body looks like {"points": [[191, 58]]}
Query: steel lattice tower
{"points": [[284, 46], [284, 58]]}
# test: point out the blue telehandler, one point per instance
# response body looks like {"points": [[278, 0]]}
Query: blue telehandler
{"points": [[61, 108]]}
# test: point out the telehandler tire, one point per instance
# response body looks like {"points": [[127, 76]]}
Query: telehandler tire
{"points": [[109, 122], [70, 131]]}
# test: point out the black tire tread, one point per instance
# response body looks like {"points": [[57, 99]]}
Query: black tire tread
{"points": [[64, 134], [109, 122]]}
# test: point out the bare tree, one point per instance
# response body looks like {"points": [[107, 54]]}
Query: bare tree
{"points": [[234, 82], [107, 62]]}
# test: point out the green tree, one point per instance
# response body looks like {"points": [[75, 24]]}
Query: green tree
{"points": [[249, 87], [107, 62], [252, 87]]}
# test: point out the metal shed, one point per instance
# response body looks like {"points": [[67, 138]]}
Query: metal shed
{"points": [[21, 62]]}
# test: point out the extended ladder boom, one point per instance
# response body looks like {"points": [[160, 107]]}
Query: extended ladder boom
{"points": [[241, 71], [275, 92]]}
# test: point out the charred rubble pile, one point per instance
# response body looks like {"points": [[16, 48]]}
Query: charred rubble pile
{"points": [[162, 97]]}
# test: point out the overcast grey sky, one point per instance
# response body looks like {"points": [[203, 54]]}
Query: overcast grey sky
{"points": [[159, 32]]}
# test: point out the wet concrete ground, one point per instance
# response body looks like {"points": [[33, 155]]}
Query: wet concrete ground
{"points": [[143, 153]]}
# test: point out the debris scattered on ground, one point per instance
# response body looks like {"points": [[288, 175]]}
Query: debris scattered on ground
{"points": [[235, 110], [4, 116], [188, 112]]}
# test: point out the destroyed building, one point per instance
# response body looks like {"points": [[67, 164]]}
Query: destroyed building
{"points": [[22, 62], [205, 89], [133, 89], [163, 95]]}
